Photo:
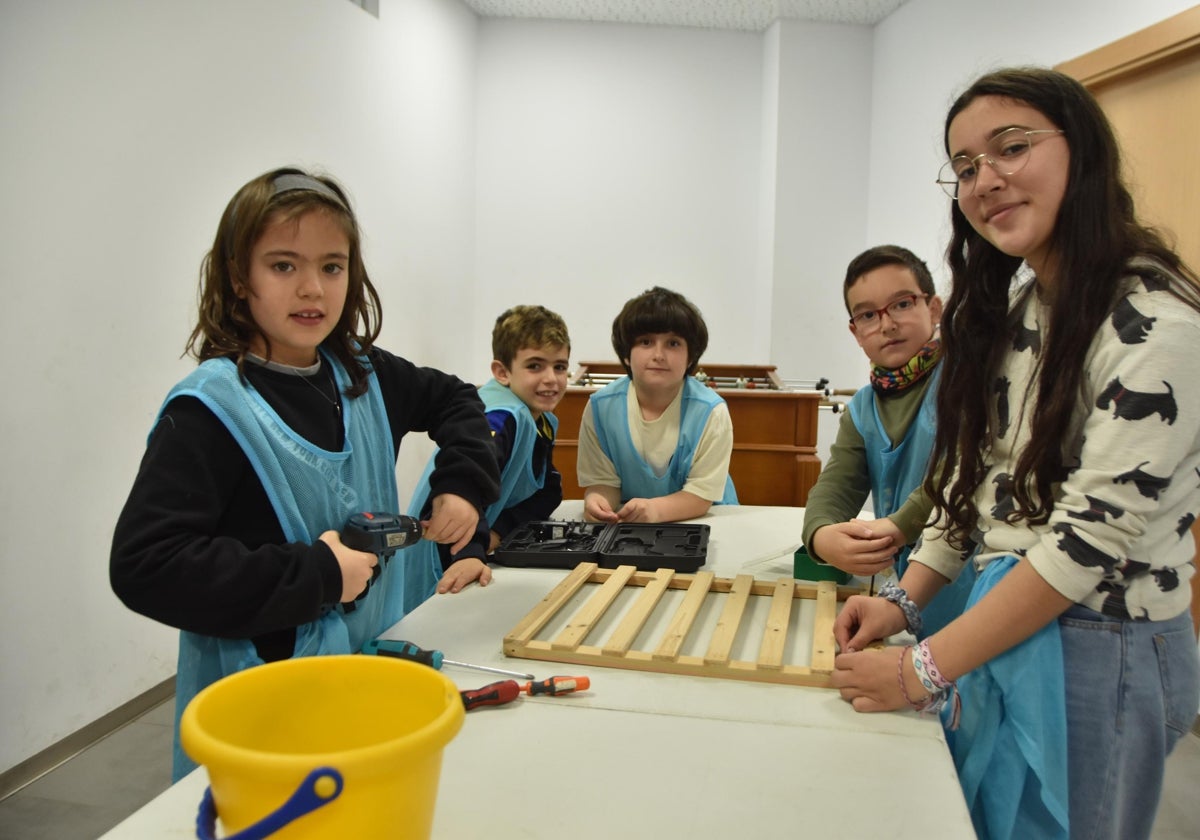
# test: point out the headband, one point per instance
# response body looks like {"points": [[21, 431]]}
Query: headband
{"points": [[291, 182]]}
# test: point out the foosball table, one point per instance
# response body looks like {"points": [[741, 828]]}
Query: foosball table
{"points": [[774, 458]]}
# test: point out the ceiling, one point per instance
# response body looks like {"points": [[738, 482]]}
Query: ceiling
{"points": [[754, 15]]}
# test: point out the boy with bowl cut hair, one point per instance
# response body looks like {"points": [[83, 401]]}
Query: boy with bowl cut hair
{"points": [[654, 446]]}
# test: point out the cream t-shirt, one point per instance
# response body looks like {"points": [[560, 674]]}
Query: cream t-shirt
{"points": [[655, 441]]}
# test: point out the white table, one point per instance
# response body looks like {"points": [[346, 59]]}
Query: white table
{"points": [[657, 755]]}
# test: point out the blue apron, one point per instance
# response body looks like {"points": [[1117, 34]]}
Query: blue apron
{"points": [[1010, 749], [638, 481], [517, 483], [895, 472], [311, 491]]}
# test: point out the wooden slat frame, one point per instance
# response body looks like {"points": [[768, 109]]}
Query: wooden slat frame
{"points": [[618, 652]]}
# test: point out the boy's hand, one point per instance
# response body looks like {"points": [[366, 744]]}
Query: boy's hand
{"points": [[463, 572], [357, 566], [453, 520], [639, 510], [597, 507], [855, 548]]}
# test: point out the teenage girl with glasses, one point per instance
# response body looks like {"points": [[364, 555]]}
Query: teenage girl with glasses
{"points": [[1069, 475]]}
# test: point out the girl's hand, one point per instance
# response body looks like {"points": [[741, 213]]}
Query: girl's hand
{"points": [[868, 679], [462, 573], [864, 620], [357, 566], [453, 520]]}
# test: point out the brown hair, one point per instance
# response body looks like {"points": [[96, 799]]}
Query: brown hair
{"points": [[225, 328], [527, 326], [882, 255], [660, 310]]}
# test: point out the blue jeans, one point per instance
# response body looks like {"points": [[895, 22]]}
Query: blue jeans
{"points": [[1132, 691]]}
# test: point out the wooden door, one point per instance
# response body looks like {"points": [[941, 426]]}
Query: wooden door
{"points": [[1149, 87]]}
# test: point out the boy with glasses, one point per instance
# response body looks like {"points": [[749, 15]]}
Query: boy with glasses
{"points": [[884, 439]]}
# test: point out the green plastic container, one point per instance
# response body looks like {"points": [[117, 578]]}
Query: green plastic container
{"points": [[805, 568]]}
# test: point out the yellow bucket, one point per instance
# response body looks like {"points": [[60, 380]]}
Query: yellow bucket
{"points": [[324, 746]]}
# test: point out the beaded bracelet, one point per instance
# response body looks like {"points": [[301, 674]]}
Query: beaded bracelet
{"points": [[912, 616]]}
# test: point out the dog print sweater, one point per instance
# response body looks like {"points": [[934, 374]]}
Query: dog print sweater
{"points": [[1117, 540]]}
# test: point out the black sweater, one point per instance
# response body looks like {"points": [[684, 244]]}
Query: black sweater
{"points": [[198, 545]]}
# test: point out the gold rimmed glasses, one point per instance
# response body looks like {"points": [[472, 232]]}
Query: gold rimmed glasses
{"points": [[1007, 153]]}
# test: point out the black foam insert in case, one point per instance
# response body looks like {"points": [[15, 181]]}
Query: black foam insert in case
{"points": [[564, 545]]}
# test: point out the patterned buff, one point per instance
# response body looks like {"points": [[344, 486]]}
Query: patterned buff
{"points": [[893, 380]]}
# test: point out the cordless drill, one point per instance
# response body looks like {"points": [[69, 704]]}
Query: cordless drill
{"points": [[382, 534]]}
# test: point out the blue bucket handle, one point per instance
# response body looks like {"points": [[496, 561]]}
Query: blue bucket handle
{"points": [[305, 800]]}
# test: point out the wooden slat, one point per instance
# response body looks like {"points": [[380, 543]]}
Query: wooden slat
{"points": [[618, 651], [633, 622], [824, 648], [770, 653], [694, 666], [678, 629], [540, 615], [731, 618], [583, 621]]}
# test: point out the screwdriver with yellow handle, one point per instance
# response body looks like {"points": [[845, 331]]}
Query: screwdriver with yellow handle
{"points": [[505, 691]]}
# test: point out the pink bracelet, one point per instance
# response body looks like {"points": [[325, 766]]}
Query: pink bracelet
{"points": [[931, 668], [942, 692], [920, 705]]}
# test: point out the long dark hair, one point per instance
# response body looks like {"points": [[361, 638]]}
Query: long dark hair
{"points": [[1095, 236], [225, 328]]}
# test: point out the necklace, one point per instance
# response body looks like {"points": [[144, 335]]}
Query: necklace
{"points": [[337, 406]]}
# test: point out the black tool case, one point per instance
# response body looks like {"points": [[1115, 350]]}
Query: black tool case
{"points": [[564, 545]]}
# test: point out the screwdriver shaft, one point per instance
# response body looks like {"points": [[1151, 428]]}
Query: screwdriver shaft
{"points": [[486, 668]]}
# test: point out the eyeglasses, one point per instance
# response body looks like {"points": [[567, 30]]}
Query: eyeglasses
{"points": [[1007, 152], [870, 321]]}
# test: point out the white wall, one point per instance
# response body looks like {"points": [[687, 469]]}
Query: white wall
{"points": [[820, 216], [612, 158], [929, 51], [127, 126]]}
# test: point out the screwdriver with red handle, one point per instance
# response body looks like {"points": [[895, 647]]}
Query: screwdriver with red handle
{"points": [[506, 691]]}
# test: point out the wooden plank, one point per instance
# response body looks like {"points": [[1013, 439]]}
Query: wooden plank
{"points": [[635, 619], [684, 617], [540, 615], [584, 620], [692, 666], [770, 653], [568, 647], [824, 648], [731, 618]]}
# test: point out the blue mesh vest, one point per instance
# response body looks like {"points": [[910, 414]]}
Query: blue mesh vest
{"points": [[638, 481], [898, 470], [312, 491], [517, 483]]}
